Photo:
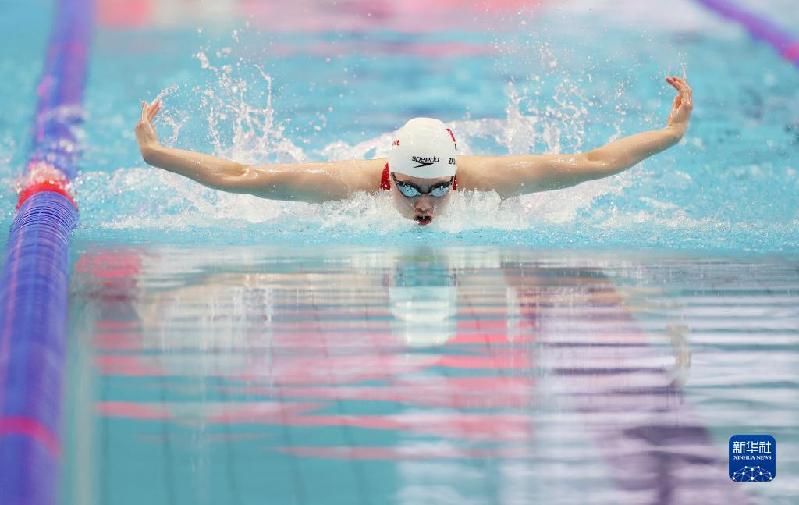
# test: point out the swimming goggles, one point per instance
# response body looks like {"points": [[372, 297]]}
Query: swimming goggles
{"points": [[411, 190]]}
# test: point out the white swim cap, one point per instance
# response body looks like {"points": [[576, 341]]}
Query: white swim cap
{"points": [[423, 148]]}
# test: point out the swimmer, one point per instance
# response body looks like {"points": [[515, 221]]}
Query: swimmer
{"points": [[422, 168]]}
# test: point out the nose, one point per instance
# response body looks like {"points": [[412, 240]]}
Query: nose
{"points": [[423, 204]]}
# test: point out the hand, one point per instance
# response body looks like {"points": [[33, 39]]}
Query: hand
{"points": [[145, 132], [682, 106]]}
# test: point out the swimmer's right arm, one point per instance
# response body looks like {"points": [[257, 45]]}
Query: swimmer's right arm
{"points": [[309, 182]]}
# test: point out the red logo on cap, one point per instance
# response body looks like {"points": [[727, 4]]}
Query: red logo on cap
{"points": [[453, 138], [395, 143]]}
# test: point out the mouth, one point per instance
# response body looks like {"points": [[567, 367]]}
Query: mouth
{"points": [[423, 220]]}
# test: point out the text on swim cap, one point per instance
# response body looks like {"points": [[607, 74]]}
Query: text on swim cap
{"points": [[424, 161]]}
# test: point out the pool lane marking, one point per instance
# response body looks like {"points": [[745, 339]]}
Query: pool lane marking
{"points": [[43, 225], [759, 27]]}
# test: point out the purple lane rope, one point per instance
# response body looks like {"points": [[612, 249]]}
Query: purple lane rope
{"points": [[759, 27], [33, 289]]}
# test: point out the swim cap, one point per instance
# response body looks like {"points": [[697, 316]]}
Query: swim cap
{"points": [[423, 148]]}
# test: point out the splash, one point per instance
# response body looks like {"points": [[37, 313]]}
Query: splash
{"points": [[237, 101], [7, 148], [177, 204], [173, 119]]}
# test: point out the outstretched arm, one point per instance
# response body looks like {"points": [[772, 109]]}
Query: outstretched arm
{"points": [[310, 182], [518, 175]]}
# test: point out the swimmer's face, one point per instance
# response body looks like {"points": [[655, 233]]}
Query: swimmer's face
{"points": [[422, 208]]}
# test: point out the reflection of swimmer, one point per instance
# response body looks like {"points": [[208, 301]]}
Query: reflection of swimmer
{"points": [[599, 365], [423, 301], [421, 167]]}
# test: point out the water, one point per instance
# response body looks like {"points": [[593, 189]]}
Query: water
{"points": [[259, 87], [591, 345], [446, 375]]}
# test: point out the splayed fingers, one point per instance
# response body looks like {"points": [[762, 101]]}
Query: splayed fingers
{"points": [[149, 110], [683, 102], [153, 110], [684, 92], [145, 132]]}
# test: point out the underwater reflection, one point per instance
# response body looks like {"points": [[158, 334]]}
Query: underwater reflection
{"points": [[497, 375]]}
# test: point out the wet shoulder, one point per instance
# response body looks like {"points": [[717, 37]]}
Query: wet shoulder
{"points": [[363, 175], [477, 172]]}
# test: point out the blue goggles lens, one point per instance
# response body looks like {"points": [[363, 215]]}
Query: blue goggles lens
{"points": [[410, 190]]}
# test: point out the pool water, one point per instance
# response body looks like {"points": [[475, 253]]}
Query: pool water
{"points": [[260, 85], [427, 375], [598, 344]]}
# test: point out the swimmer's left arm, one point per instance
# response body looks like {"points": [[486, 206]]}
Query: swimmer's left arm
{"points": [[518, 175]]}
